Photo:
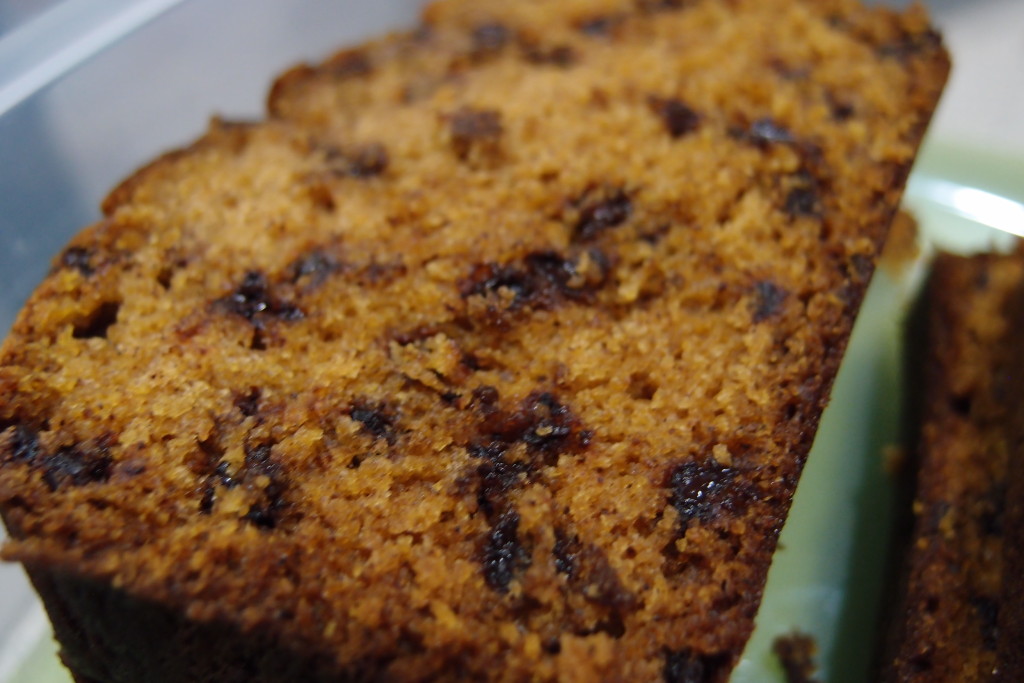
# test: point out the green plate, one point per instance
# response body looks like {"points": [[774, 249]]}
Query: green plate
{"points": [[828, 576]]}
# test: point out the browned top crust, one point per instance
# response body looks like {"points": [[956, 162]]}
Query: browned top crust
{"points": [[947, 627], [495, 353]]}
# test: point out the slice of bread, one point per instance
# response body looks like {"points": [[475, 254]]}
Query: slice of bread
{"points": [[495, 353], [948, 625]]}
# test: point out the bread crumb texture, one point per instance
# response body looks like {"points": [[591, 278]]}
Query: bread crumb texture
{"points": [[495, 352]]}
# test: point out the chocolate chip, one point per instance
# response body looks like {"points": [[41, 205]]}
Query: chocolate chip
{"points": [[764, 131], [545, 425], [98, 322], [249, 403], [700, 491], [486, 396], [598, 215], [24, 444], [803, 201], [78, 466], [600, 583], [498, 477], [257, 459], [219, 477], [678, 118], [841, 109], [254, 301], [375, 419], [251, 297], [565, 552], [960, 404], [369, 160], [316, 265], [164, 276], [259, 462], [686, 666], [475, 130], [504, 556], [263, 516], [541, 281], [78, 258], [768, 300]]}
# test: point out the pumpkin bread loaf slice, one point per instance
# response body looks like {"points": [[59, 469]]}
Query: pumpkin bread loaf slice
{"points": [[495, 353], [954, 620]]}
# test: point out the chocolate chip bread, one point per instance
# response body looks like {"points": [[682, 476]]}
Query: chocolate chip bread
{"points": [[494, 353], [947, 627]]}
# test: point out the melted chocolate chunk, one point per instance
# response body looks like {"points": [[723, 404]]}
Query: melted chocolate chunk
{"points": [[219, 477], [498, 478], [596, 216], [376, 421], [960, 404], [77, 466], [315, 265], [254, 301], [369, 160], [566, 551], [685, 666], [678, 118], [266, 513], [98, 322], [700, 491], [257, 459], [78, 258], [768, 300], [546, 426], [803, 201], [475, 130], [765, 131], [486, 397], [249, 404], [540, 282], [504, 556], [263, 516], [600, 583], [841, 109]]}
